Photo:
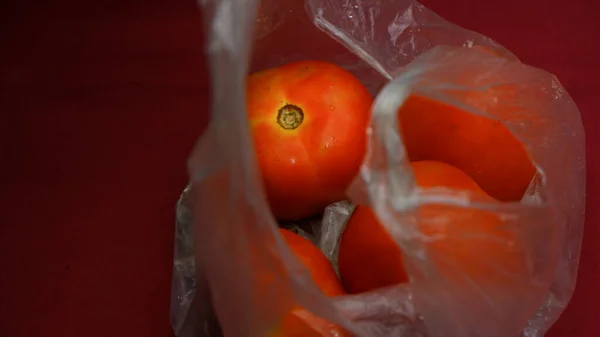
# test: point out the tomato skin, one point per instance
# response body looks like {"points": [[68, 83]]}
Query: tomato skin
{"points": [[370, 259], [319, 266], [306, 168], [299, 322], [368, 256], [481, 147]]}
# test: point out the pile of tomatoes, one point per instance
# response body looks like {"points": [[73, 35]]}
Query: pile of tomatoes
{"points": [[309, 120]]}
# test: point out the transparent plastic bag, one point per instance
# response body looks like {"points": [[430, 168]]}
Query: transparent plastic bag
{"points": [[237, 260]]}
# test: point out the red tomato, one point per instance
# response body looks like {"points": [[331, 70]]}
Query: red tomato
{"points": [[473, 247], [481, 147], [299, 322], [368, 256], [308, 121]]}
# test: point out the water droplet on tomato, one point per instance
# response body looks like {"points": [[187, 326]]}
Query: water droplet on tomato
{"points": [[332, 108]]}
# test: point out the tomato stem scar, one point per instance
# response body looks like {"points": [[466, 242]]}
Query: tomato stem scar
{"points": [[290, 117]]}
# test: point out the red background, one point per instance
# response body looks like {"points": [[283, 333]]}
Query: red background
{"points": [[101, 102]]}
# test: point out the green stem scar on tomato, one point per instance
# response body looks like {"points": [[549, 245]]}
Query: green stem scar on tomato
{"points": [[290, 116]]}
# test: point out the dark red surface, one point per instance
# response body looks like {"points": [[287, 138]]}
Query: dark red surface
{"points": [[100, 105]]}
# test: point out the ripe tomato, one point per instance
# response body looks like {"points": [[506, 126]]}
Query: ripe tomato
{"points": [[315, 261], [481, 147], [473, 244], [368, 257], [308, 121], [299, 322]]}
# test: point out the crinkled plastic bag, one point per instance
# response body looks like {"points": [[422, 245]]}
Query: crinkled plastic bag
{"points": [[229, 253]]}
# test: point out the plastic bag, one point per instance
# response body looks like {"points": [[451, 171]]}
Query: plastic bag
{"points": [[228, 251]]}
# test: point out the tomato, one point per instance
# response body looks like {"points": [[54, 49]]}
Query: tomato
{"points": [[315, 261], [368, 256], [299, 322], [473, 246], [308, 121], [481, 147]]}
